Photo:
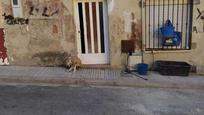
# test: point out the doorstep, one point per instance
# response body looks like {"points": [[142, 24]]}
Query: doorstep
{"points": [[13, 75]]}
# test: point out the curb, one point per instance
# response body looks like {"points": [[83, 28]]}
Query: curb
{"points": [[88, 82]]}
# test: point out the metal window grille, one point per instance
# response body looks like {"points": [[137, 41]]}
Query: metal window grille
{"points": [[155, 15]]}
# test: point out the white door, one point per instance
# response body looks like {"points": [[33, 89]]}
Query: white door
{"points": [[92, 31]]}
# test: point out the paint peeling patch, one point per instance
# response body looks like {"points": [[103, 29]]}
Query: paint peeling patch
{"points": [[3, 50], [55, 29], [136, 32]]}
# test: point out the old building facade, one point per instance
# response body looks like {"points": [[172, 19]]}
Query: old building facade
{"points": [[39, 32]]}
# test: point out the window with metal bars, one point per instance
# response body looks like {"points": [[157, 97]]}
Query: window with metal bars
{"points": [[178, 14]]}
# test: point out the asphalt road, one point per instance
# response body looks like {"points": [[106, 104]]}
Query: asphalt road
{"points": [[30, 100]]}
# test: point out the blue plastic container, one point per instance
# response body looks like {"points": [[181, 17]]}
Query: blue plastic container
{"points": [[167, 31], [176, 40], [142, 69], [170, 37]]}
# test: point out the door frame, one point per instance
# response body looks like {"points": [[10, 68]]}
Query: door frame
{"points": [[106, 29]]}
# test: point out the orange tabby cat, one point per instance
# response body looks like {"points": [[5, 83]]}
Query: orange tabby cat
{"points": [[73, 63]]}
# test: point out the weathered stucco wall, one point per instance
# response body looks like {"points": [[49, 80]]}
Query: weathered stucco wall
{"points": [[39, 39], [124, 26], [45, 39], [1, 17], [124, 23]]}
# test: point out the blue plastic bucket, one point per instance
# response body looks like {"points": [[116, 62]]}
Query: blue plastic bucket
{"points": [[142, 69]]}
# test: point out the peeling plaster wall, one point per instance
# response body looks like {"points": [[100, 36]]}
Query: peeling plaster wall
{"points": [[44, 39], [3, 50], [121, 27], [124, 23], [1, 17]]}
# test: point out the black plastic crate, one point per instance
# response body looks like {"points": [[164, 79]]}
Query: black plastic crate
{"points": [[173, 68]]}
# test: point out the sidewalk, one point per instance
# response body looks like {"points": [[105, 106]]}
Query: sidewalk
{"points": [[101, 77]]}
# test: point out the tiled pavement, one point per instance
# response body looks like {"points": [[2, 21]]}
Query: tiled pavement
{"points": [[106, 77], [94, 74]]}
